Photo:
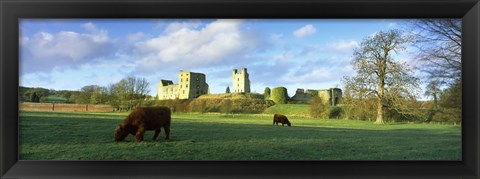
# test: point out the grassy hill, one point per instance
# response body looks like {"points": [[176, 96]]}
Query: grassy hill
{"points": [[289, 109], [232, 96], [230, 103]]}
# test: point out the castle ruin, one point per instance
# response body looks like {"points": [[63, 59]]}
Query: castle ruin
{"points": [[331, 96], [241, 81], [190, 85]]}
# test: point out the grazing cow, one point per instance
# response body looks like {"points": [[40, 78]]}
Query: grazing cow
{"points": [[279, 118], [142, 119]]}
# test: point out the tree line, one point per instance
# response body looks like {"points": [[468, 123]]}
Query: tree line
{"points": [[123, 95]]}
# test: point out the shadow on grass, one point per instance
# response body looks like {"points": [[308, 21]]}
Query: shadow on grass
{"points": [[79, 136], [55, 128]]}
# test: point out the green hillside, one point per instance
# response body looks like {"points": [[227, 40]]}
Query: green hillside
{"points": [[289, 109]]}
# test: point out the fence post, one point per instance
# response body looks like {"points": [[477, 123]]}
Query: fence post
{"points": [[53, 106], [86, 107]]}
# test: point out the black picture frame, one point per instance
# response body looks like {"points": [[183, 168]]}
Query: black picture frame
{"points": [[13, 10]]}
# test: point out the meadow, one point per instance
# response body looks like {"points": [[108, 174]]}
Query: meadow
{"points": [[89, 136]]}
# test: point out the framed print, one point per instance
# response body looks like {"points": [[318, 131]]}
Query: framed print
{"points": [[239, 89]]}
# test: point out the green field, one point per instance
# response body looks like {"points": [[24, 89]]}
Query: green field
{"points": [[289, 109], [89, 136]]}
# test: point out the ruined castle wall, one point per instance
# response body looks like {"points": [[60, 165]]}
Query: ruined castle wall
{"points": [[198, 85], [184, 85], [330, 96], [190, 85], [168, 92], [325, 96], [300, 95]]}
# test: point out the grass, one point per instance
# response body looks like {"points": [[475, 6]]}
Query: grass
{"points": [[300, 110], [89, 136]]}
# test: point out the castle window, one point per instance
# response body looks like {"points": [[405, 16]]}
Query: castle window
{"points": [[197, 79], [186, 86], [198, 87], [187, 79], [238, 79], [183, 91], [181, 80]]}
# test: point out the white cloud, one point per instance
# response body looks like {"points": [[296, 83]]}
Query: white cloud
{"points": [[284, 56], [102, 74], [44, 51], [24, 40], [392, 25], [317, 75], [278, 38], [90, 27], [135, 37], [305, 31], [187, 46], [176, 26], [343, 46]]}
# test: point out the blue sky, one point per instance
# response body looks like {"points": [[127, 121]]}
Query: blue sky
{"points": [[310, 54]]}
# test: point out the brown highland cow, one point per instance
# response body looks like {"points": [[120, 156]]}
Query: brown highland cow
{"points": [[278, 118], [142, 119]]}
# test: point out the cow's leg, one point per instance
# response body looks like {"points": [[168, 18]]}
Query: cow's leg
{"points": [[140, 132], [157, 131], [167, 132]]}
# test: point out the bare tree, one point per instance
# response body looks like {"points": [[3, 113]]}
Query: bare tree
{"points": [[128, 92], [378, 74], [433, 89], [439, 42]]}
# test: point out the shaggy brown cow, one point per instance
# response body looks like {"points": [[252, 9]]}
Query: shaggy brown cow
{"points": [[278, 118], [142, 119]]}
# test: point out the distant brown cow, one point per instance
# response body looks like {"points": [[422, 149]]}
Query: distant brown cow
{"points": [[278, 118], [142, 119]]}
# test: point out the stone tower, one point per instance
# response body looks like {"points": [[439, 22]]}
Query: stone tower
{"points": [[241, 81], [190, 85]]}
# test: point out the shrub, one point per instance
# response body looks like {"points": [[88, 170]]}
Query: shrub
{"points": [[365, 110], [335, 112], [198, 106], [176, 105], [250, 105], [448, 115], [226, 106], [317, 107], [279, 95], [289, 109], [231, 103]]}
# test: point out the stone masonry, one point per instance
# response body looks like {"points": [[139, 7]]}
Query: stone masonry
{"points": [[190, 85], [241, 81], [331, 96]]}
